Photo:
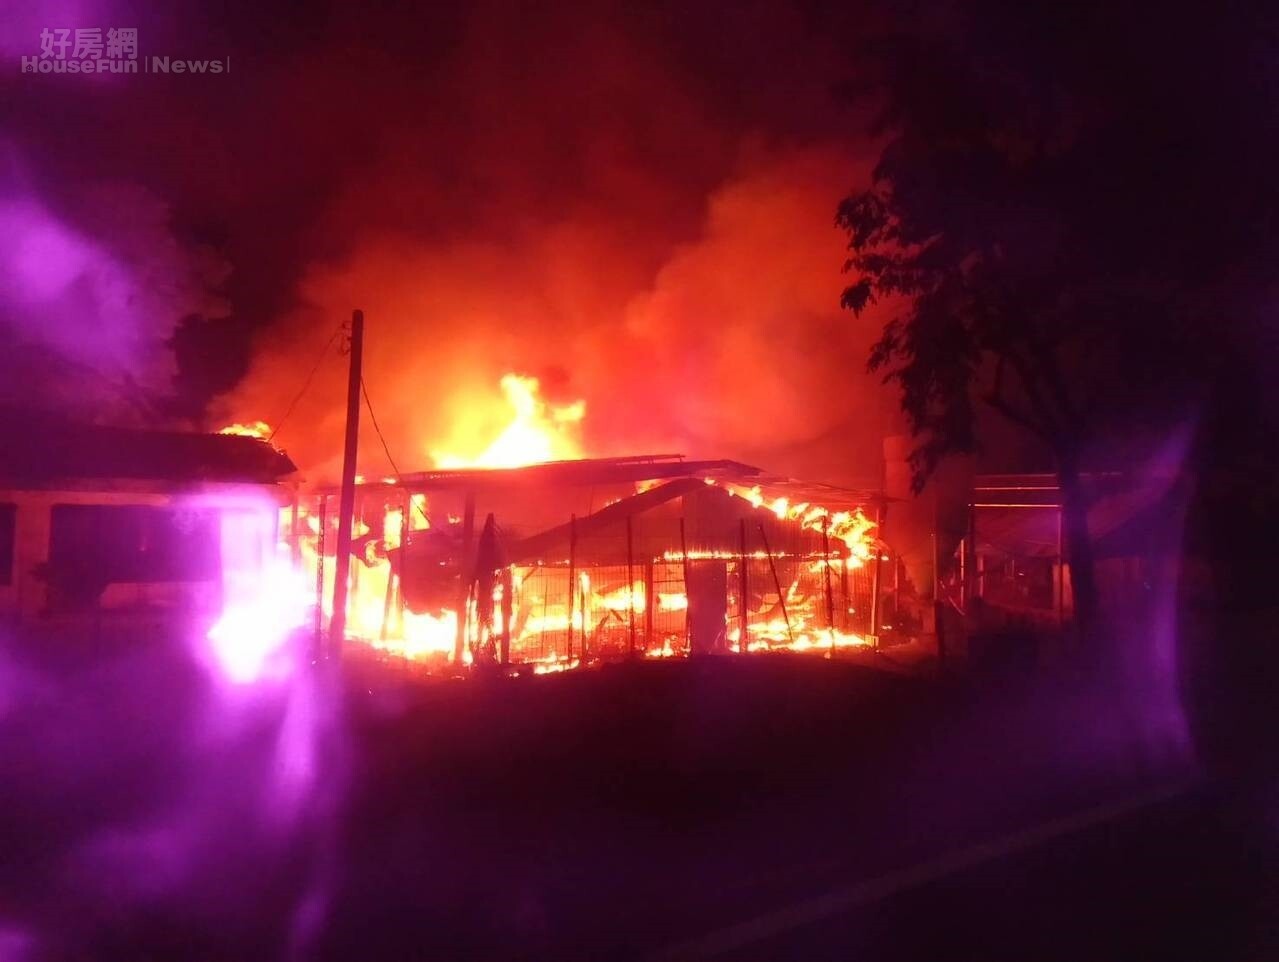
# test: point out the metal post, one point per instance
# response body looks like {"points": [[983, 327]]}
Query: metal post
{"points": [[508, 609], [847, 619], [1061, 574], [346, 503], [970, 559], [688, 607], [321, 537], [650, 604], [406, 532], [939, 612], [466, 572], [572, 585], [743, 604], [630, 580], [584, 605], [830, 598], [881, 518], [777, 583]]}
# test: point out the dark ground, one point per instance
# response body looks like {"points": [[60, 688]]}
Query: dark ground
{"points": [[614, 814]]}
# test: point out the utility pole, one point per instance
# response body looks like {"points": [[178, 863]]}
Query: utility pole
{"points": [[346, 503], [881, 519]]}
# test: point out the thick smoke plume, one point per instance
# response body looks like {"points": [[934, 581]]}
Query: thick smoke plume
{"points": [[574, 199], [633, 204], [734, 343]]}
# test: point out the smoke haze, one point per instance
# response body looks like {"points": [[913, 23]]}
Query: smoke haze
{"points": [[634, 206]]}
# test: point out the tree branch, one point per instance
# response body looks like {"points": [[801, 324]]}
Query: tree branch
{"points": [[995, 398], [1018, 417]]}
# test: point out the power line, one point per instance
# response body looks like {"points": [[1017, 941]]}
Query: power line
{"points": [[373, 417], [386, 448], [306, 384]]}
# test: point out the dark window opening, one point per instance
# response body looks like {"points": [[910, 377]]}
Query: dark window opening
{"points": [[92, 546]]}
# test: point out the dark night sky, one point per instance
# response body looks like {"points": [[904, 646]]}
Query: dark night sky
{"points": [[632, 202]]}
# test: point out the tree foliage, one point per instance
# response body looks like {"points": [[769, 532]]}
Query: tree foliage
{"points": [[1068, 201], [1072, 212]]}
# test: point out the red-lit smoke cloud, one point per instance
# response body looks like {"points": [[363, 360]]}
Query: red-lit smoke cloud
{"points": [[639, 221]]}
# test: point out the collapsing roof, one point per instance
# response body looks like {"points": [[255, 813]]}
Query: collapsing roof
{"points": [[708, 518], [666, 503]]}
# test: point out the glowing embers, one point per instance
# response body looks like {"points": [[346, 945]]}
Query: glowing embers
{"points": [[603, 617], [773, 636], [801, 605]]}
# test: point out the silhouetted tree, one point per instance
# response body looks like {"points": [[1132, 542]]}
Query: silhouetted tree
{"points": [[1067, 201]]}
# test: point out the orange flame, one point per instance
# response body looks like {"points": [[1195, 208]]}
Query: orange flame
{"points": [[852, 528], [538, 431], [248, 429]]}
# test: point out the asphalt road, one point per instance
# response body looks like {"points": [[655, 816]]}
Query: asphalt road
{"points": [[1175, 873], [833, 811], [631, 815]]}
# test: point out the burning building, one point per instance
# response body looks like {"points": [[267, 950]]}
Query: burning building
{"points": [[558, 564]]}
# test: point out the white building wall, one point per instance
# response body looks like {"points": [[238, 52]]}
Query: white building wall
{"points": [[25, 600]]}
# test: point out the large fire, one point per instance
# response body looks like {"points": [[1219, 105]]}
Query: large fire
{"points": [[547, 626], [538, 431]]}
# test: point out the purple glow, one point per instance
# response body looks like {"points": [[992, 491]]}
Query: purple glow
{"points": [[252, 631], [20, 30], [63, 290], [148, 861], [93, 285], [46, 257], [1153, 645], [15, 944]]}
